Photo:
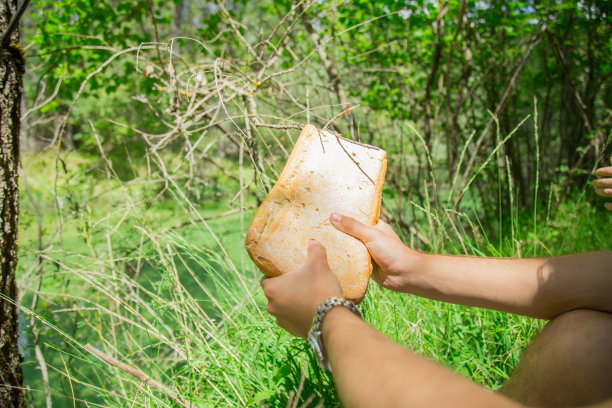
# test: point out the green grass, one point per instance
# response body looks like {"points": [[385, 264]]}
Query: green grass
{"points": [[183, 305]]}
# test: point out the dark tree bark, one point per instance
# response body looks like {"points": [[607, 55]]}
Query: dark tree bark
{"points": [[11, 83]]}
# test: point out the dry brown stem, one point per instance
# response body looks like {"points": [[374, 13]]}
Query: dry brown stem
{"points": [[135, 372]]}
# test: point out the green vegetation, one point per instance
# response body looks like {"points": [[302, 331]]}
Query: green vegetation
{"points": [[194, 319], [144, 159]]}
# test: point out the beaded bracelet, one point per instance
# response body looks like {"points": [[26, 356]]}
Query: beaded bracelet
{"points": [[314, 334]]}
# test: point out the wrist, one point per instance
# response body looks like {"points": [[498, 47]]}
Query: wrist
{"points": [[411, 270], [318, 301], [325, 313], [334, 320]]}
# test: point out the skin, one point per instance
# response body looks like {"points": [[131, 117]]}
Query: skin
{"points": [[567, 365], [537, 287], [603, 184], [370, 370], [294, 311]]}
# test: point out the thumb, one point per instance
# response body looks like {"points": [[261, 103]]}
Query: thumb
{"points": [[364, 233], [317, 255]]}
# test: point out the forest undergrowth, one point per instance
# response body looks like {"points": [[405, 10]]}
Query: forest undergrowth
{"points": [[157, 304]]}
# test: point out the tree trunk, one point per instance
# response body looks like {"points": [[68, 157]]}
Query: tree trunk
{"points": [[329, 62], [11, 82], [177, 21]]}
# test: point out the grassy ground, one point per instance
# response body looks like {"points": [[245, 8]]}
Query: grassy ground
{"points": [[181, 312]]}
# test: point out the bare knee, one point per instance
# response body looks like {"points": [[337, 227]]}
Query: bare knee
{"points": [[581, 339], [568, 364]]}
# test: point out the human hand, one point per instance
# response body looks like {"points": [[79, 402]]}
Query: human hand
{"points": [[603, 184], [294, 297], [393, 261]]}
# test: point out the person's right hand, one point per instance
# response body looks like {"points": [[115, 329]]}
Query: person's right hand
{"points": [[603, 184], [393, 260]]}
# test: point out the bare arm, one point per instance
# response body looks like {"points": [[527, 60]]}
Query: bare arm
{"points": [[372, 371], [538, 287]]}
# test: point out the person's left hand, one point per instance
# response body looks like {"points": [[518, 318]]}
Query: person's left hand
{"points": [[294, 297], [603, 184]]}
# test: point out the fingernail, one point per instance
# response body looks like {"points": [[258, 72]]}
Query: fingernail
{"points": [[335, 217]]}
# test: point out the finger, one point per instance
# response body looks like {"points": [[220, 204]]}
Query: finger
{"points": [[603, 183], [608, 206], [604, 172], [604, 192], [268, 287], [351, 226], [270, 309], [316, 254], [265, 284]]}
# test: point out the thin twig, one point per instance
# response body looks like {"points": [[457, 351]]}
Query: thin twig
{"points": [[135, 372], [353, 160], [344, 112], [281, 127]]}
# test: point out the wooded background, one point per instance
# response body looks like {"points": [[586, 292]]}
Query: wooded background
{"points": [[462, 74]]}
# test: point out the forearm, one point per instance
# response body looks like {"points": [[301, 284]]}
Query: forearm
{"points": [[372, 371], [538, 287]]}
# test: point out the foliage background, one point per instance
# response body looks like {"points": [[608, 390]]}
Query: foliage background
{"points": [[152, 129]]}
